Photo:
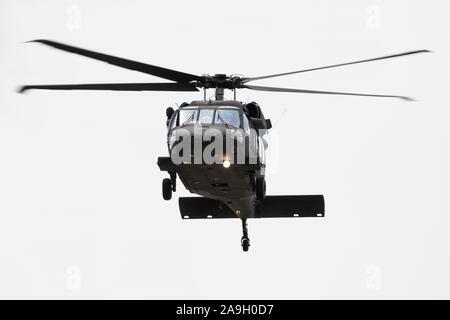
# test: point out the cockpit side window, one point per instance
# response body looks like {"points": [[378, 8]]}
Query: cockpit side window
{"points": [[261, 153], [230, 117], [187, 116], [173, 120]]}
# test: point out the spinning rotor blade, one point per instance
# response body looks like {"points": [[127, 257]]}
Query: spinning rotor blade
{"points": [[335, 65], [116, 86], [273, 89], [125, 63]]}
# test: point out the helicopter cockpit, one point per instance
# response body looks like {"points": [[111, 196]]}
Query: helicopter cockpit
{"points": [[224, 115]]}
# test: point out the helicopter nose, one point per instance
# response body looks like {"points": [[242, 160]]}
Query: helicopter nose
{"points": [[218, 143]]}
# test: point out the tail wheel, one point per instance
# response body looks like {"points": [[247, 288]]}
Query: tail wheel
{"points": [[260, 188], [167, 189]]}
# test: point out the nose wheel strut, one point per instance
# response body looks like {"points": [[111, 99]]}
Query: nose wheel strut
{"points": [[245, 241]]}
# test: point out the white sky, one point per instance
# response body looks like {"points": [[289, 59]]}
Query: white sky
{"points": [[81, 211]]}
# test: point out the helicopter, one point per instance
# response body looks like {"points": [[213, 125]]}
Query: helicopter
{"points": [[230, 183]]}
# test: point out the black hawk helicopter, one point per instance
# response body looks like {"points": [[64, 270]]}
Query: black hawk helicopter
{"points": [[228, 188]]}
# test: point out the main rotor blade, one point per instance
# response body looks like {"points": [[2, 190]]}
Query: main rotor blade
{"points": [[116, 86], [335, 65], [323, 92], [125, 63]]}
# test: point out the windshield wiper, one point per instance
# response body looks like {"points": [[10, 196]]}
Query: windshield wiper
{"points": [[222, 121]]}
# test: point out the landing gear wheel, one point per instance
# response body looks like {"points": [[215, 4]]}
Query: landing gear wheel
{"points": [[245, 242], [260, 188], [167, 189]]}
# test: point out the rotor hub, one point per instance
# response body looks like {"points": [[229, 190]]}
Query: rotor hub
{"points": [[220, 81]]}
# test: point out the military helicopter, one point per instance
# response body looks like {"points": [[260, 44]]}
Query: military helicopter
{"points": [[228, 188]]}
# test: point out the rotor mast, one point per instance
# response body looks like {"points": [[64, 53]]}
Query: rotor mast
{"points": [[219, 94], [219, 81]]}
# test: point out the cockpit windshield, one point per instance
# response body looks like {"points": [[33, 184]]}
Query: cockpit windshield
{"points": [[206, 116], [193, 115], [187, 116], [229, 117]]}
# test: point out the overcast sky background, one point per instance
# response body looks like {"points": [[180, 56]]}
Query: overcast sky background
{"points": [[81, 211]]}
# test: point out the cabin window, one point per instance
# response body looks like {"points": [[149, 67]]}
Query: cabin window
{"points": [[245, 123], [229, 117], [187, 116], [206, 116]]}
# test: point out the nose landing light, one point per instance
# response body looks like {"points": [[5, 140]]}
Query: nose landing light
{"points": [[226, 163]]}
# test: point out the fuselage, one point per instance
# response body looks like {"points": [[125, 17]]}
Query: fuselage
{"points": [[217, 152]]}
